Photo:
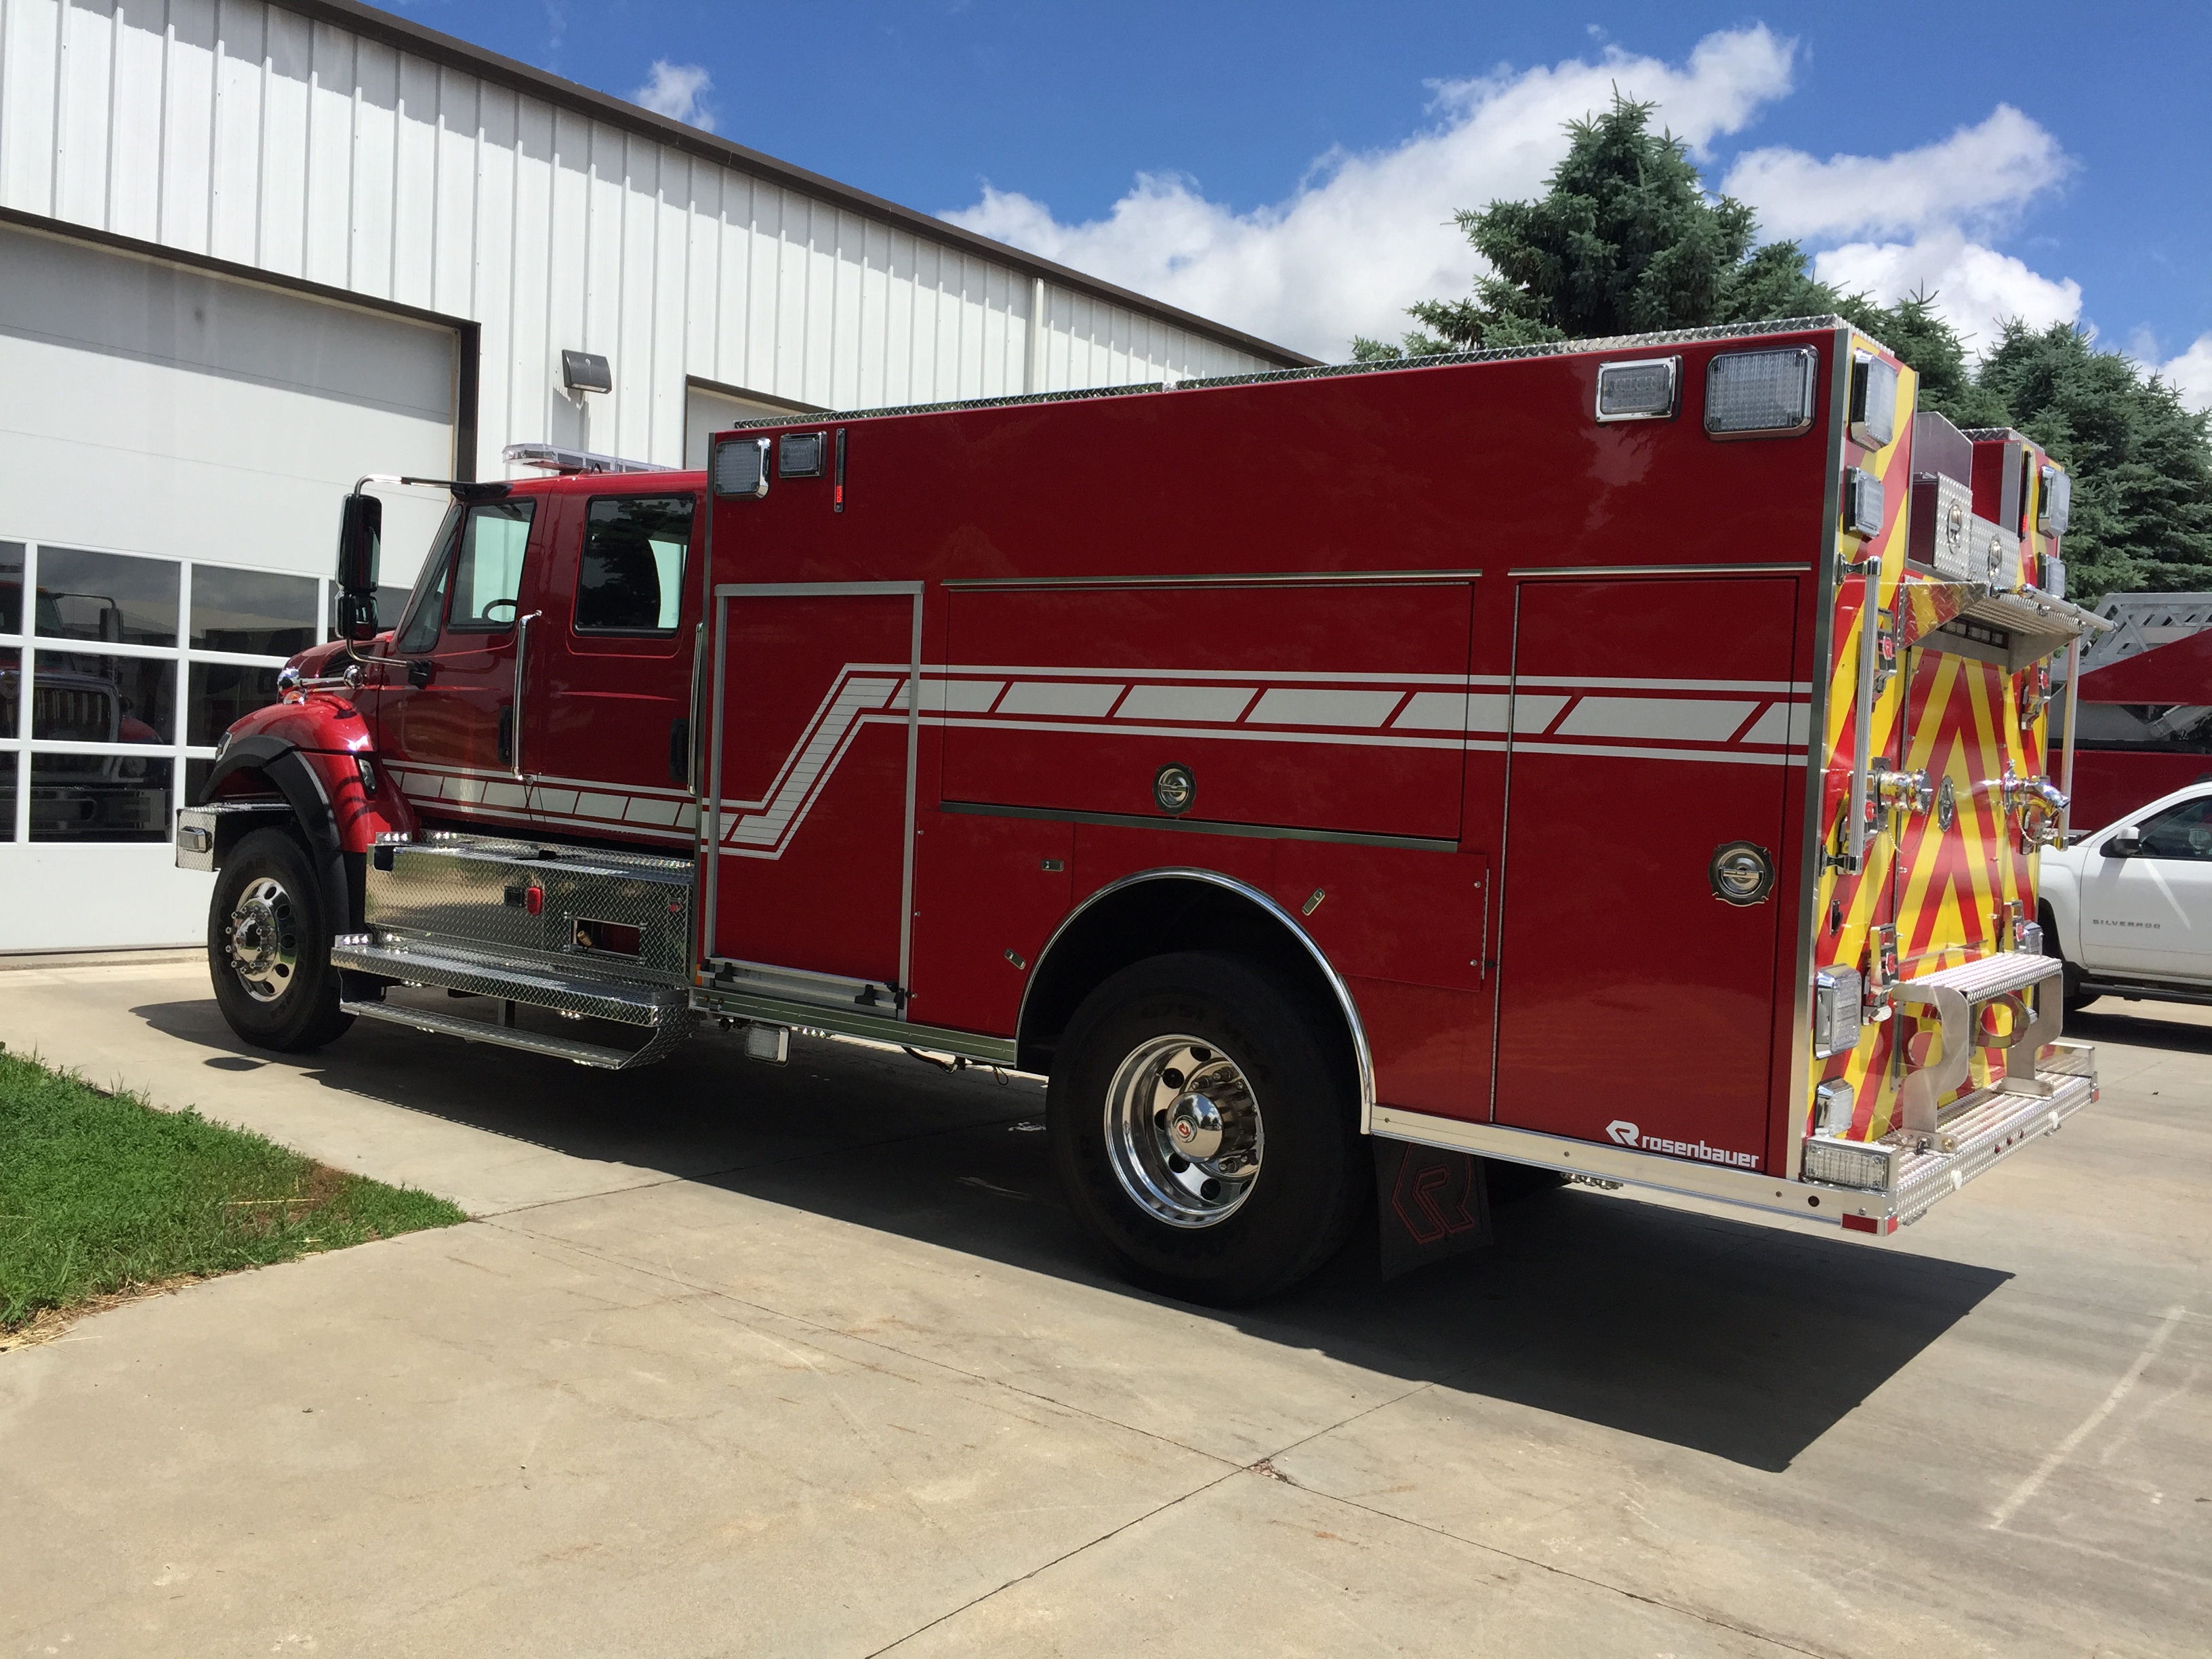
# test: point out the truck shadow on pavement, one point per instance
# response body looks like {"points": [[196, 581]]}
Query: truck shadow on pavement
{"points": [[1744, 1341]]}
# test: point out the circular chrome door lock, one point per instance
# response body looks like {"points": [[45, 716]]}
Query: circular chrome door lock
{"points": [[1742, 873], [1946, 805], [1955, 528], [1174, 789]]}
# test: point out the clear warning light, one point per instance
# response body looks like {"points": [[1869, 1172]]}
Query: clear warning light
{"points": [[1645, 390], [1761, 394]]}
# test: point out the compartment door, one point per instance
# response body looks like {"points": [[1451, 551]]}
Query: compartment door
{"points": [[810, 770], [1654, 722]]}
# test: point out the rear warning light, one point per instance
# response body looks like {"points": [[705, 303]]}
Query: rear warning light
{"points": [[1848, 1164], [1863, 504], [2057, 501], [1646, 390], [741, 467], [1761, 394], [1873, 401]]}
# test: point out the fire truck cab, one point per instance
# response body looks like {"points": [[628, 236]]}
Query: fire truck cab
{"points": [[1611, 758]]}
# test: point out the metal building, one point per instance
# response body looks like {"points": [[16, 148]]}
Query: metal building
{"points": [[249, 253]]}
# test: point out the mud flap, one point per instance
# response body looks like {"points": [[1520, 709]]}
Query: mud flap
{"points": [[1430, 1204]]}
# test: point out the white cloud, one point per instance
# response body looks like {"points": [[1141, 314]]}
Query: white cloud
{"points": [[675, 91], [2190, 373], [1979, 177], [1920, 221], [1977, 289], [1368, 235]]}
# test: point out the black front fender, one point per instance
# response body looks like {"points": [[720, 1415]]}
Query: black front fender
{"points": [[287, 771]]}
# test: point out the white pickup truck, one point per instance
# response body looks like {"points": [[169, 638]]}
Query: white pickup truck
{"points": [[2128, 907]]}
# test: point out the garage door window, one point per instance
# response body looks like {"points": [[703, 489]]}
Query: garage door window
{"points": [[119, 674]]}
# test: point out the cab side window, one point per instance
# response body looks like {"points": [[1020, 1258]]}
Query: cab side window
{"points": [[2181, 832], [631, 577], [486, 579]]}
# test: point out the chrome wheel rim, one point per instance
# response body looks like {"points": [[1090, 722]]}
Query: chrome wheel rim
{"points": [[261, 938], [1183, 1131]]}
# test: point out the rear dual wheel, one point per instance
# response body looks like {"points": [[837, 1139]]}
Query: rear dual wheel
{"points": [[1204, 1130], [269, 947]]}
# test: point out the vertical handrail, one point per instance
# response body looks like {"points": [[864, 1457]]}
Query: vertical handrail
{"points": [[521, 652], [2066, 778], [1862, 750]]}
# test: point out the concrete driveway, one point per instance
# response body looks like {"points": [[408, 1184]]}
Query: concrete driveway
{"points": [[738, 1359]]}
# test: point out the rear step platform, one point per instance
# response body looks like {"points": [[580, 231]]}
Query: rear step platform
{"points": [[662, 1009]]}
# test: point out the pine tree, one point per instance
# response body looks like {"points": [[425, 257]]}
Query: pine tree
{"points": [[2141, 462], [1623, 241]]}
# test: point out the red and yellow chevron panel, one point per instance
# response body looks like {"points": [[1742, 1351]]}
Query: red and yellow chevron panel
{"points": [[1943, 879]]}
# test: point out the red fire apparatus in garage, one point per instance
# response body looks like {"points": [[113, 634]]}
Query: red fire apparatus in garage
{"points": [[1624, 758]]}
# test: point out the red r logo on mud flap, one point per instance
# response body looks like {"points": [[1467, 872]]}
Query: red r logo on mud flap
{"points": [[1434, 1201]]}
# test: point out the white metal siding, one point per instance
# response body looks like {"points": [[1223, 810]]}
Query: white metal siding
{"points": [[165, 414], [243, 131]]}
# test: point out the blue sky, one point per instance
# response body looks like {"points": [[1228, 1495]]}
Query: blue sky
{"points": [[1287, 167]]}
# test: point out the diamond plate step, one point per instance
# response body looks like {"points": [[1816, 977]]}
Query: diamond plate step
{"points": [[456, 969], [602, 1055]]}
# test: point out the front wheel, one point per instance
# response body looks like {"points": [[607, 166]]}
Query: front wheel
{"points": [[269, 947], [1204, 1132]]}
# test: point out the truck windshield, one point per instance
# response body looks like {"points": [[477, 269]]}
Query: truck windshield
{"points": [[428, 601]]}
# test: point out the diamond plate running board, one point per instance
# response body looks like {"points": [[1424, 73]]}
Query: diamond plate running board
{"points": [[603, 1056], [661, 1010]]}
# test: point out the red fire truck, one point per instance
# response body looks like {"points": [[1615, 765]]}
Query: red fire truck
{"points": [[1623, 758]]}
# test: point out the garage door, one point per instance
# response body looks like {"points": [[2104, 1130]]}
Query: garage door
{"points": [[173, 448]]}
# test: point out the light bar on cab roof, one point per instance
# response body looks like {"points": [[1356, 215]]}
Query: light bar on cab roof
{"points": [[554, 458]]}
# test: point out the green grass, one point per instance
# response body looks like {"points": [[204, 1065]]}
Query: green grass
{"points": [[100, 1194]]}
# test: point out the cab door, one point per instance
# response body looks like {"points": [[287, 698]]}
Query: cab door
{"points": [[610, 697], [447, 709]]}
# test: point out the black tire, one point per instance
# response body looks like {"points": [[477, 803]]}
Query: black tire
{"points": [[269, 947], [1268, 1058]]}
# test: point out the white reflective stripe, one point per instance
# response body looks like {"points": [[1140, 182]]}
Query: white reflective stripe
{"points": [[816, 759], [561, 801], [607, 808], [1476, 711], [1187, 702], [1301, 675], [1783, 722], [961, 696], [1700, 718], [1436, 711], [1048, 697], [1775, 688], [547, 781], [1286, 707], [1737, 756], [644, 810], [1244, 733]]}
